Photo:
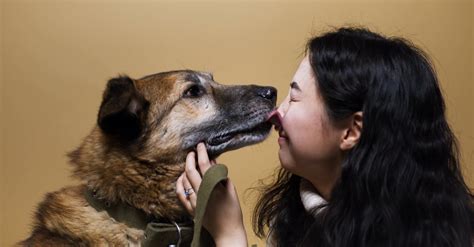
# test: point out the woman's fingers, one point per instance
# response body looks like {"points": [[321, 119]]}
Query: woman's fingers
{"points": [[188, 183], [190, 192], [181, 195], [192, 174], [203, 158]]}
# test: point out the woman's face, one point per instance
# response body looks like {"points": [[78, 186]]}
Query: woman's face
{"points": [[307, 138]]}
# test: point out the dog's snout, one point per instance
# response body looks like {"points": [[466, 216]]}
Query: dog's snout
{"points": [[269, 93]]}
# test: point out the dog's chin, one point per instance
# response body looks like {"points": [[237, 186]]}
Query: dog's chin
{"points": [[235, 140]]}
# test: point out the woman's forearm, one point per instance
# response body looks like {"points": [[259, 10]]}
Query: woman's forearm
{"points": [[237, 239]]}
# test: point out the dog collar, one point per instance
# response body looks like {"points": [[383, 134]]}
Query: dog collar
{"points": [[156, 233]]}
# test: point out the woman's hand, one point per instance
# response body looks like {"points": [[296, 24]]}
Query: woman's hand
{"points": [[223, 218]]}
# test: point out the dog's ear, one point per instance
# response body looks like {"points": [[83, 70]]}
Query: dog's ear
{"points": [[123, 109]]}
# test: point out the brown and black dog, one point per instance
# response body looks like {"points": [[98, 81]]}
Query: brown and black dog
{"points": [[137, 151]]}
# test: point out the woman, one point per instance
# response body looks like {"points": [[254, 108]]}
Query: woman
{"points": [[367, 156]]}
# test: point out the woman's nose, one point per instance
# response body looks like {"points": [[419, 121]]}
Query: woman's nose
{"points": [[275, 118], [282, 108]]}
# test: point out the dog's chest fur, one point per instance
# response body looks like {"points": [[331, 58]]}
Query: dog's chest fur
{"points": [[114, 178], [66, 218], [117, 177]]}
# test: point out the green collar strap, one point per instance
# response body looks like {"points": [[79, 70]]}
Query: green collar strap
{"points": [[164, 234], [159, 234]]}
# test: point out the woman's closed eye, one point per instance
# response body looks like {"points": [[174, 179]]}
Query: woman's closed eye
{"points": [[294, 96], [294, 92]]}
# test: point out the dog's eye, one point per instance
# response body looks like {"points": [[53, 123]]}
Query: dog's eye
{"points": [[194, 91]]}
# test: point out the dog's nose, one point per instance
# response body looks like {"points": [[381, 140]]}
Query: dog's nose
{"points": [[269, 93]]}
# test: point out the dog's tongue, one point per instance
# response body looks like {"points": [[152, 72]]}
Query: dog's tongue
{"points": [[274, 117]]}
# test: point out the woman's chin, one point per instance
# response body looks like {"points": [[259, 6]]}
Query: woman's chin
{"points": [[285, 159]]}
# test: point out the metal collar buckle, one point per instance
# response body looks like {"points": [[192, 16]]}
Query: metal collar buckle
{"points": [[178, 229]]}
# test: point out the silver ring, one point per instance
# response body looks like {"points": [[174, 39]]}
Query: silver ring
{"points": [[188, 192]]}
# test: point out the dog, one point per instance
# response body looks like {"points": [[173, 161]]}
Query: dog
{"points": [[137, 150]]}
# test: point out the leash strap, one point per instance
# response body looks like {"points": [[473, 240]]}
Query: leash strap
{"points": [[212, 177]]}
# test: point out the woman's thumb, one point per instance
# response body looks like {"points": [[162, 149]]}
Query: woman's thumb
{"points": [[231, 188]]}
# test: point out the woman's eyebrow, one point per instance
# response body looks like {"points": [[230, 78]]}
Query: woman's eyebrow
{"points": [[294, 85]]}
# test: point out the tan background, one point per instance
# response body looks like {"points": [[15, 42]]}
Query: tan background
{"points": [[57, 55]]}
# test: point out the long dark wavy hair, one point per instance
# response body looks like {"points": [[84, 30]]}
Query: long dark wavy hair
{"points": [[401, 184]]}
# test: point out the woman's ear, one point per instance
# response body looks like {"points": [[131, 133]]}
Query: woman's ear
{"points": [[352, 132]]}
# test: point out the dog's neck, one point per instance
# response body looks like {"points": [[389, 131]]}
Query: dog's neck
{"points": [[117, 177]]}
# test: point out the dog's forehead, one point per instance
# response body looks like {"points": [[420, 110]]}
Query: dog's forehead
{"points": [[176, 77], [199, 77], [164, 84]]}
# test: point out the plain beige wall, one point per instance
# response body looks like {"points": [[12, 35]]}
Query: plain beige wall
{"points": [[2, 193], [57, 55]]}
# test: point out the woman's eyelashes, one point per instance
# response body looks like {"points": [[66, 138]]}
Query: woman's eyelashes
{"points": [[294, 92]]}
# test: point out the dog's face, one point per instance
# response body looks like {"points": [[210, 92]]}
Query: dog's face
{"points": [[164, 116]]}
